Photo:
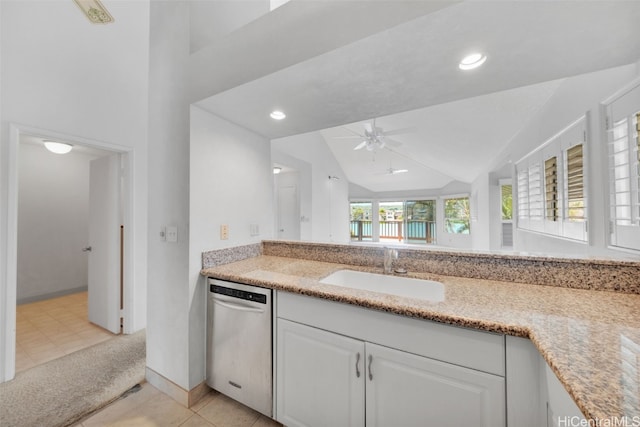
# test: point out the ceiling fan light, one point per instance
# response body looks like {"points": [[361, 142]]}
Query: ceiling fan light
{"points": [[472, 61], [57, 147]]}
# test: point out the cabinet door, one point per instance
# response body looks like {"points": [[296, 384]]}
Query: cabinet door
{"points": [[409, 390], [320, 377]]}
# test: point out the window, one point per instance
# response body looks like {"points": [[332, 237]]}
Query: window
{"points": [[623, 129], [506, 207], [361, 224], [551, 190], [457, 215], [506, 197], [420, 221], [403, 221]]}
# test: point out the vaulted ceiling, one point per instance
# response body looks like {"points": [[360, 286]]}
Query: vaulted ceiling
{"points": [[406, 75]]}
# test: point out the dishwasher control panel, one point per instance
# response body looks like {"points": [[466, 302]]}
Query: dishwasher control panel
{"points": [[237, 293]]}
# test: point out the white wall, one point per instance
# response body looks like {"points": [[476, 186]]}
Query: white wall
{"points": [[53, 226], [330, 198], [575, 96], [231, 182], [62, 74], [168, 332]]}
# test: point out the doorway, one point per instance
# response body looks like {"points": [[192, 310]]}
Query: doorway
{"points": [[288, 203], [110, 300]]}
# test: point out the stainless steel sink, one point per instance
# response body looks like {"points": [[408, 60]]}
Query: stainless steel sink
{"points": [[393, 285]]}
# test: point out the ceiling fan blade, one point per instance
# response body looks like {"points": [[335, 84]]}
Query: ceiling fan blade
{"points": [[401, 131], [360, 146], [348, 137], [353, 132], [392, 142]]}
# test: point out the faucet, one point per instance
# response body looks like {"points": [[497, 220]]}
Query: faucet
{"points": [[389, 256]]}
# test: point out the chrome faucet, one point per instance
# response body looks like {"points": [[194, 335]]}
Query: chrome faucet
{"points": [[390, 255]]}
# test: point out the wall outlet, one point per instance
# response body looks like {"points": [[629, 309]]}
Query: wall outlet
{"points": [[254, 230], [224, 232], [172, 234]]}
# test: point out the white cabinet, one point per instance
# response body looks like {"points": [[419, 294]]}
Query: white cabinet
{"points": [[535, 395], [320, 379], [326, 368], [409, 390]]}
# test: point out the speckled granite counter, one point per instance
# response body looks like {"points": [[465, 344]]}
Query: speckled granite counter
{"points": [[591, 339]]}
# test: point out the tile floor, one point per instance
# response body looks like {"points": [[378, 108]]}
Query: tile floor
{"points": [[148, 407], [46, 330]]}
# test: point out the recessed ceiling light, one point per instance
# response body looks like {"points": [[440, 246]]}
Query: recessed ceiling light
{"points": [[277, 115], [57, 147], [472, 61]]}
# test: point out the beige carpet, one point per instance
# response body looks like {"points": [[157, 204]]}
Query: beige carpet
{"points": [[62, 391]]}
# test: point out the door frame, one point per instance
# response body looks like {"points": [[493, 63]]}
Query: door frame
{"points": [[8, 309]]}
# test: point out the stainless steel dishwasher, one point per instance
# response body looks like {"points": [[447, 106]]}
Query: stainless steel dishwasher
{"points": [[239, 343]]}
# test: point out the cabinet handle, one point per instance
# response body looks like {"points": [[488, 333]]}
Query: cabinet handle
{"points": [[370, 373], [357, 363]]}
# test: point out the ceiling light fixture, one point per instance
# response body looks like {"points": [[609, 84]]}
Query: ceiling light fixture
{"points": [[277, 115], [472, 61], [277, 170], [57, 147], [395, 171]]}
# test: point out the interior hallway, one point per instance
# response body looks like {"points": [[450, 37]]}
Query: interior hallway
{"points": [[46, 330]]}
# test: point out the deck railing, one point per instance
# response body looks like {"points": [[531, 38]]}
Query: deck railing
{"points": [[411, 231]]}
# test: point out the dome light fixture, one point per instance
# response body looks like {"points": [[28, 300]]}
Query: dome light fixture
{"points": [[57, 147], [277, 170], [472, 61], [277, 115]]}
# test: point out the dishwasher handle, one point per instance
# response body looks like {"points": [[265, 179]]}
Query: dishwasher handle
{"points": [[238, 307]]}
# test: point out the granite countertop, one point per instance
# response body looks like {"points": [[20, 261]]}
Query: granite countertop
{"points": [[591, 339]]}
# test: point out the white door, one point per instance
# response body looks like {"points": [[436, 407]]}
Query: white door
{"points": [[320, 377], [104, 240], [408, 390], [288, 215]]}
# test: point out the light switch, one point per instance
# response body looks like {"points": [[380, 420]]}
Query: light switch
{"points": [[224, 232], [172, 234]]}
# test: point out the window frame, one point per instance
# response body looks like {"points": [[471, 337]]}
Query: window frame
{"points": [[535, 216], [624, 105]]}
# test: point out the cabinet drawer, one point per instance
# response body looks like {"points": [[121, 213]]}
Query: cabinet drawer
{"points": [[479, 350]]}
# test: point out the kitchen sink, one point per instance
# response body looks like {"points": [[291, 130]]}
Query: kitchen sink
{"points": [[393, 285]]}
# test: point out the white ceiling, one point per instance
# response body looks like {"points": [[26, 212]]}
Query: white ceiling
{"points": [[462, 119]]}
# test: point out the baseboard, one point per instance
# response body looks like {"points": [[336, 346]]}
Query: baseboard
{"points": [[27, 300], [177, 393]]}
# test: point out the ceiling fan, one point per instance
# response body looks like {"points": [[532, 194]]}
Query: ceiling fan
{"points": [[375, 138]]}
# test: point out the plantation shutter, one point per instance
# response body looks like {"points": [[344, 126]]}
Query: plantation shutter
{"points": [[523, 195], [623, 132], [551, 187], [535, 192], [575, 184]]}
